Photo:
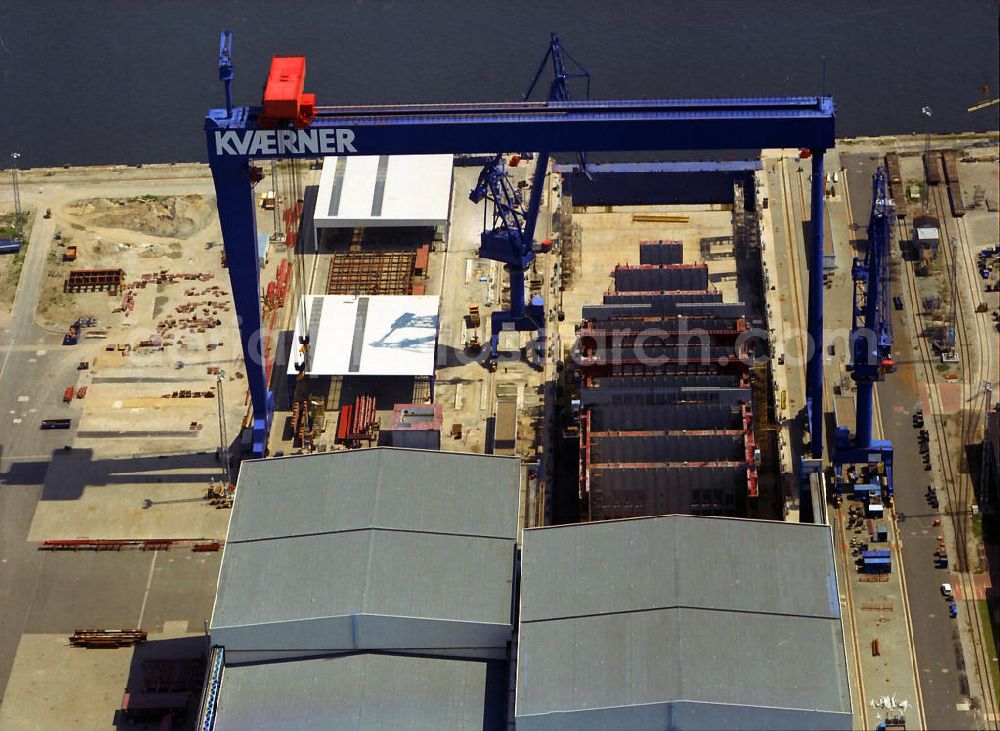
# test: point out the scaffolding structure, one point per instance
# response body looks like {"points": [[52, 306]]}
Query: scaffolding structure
{"points": [[371, 273]]}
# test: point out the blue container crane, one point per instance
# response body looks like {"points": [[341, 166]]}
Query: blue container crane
{"points": [[871, 338], [290, 125]]}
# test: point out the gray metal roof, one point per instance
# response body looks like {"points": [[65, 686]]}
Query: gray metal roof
{"points": [[403, 489], [380, 572], [678, 609], [367, 692], [413, 534]]}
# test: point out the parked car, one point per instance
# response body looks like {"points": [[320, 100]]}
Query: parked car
{"points": [[953, 610], [947, 592], [897, 302]]}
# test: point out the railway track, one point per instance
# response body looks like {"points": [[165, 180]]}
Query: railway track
{"points": [[974, 366], [958, 486]]}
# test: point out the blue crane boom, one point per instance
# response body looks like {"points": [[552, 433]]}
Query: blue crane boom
{"points": [[871, 336], [238, 135], [508, 242], [511, 238], [226, 67]]}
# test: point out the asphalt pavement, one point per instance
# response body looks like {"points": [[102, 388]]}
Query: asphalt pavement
{"points": [[936, 636], [31, 363], [50, 593]]}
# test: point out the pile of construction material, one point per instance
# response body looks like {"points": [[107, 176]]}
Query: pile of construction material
{"points": [[190, 394], [107, 637], [358, 423]]}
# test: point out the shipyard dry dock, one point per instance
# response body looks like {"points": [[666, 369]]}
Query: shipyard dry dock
{"points": [[664, 385], [665, 398]]}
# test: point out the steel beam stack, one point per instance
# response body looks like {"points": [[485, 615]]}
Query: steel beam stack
{"points": [[665, 395], [661, 252], [954, 186], [896, 191]]}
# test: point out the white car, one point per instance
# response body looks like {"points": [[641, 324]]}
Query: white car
{"points": [[946, 591]]}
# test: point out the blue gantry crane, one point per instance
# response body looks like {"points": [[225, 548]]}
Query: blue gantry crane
{"points": [[510, 239], [871, 338], [289, 124]]}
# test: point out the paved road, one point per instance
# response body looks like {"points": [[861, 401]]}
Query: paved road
{"points": [[30, 362], [57, 593], [936, 640]]}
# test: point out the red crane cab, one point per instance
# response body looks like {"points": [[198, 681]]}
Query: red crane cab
{"points": [[284, 98]]}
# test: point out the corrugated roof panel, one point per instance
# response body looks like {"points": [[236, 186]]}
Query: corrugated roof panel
{"points": [[366, 692], [404, 489], [378, 548], [627, 621]]}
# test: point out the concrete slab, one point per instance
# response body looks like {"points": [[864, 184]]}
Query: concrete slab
{"points": [[86, 498], [56, 686]]}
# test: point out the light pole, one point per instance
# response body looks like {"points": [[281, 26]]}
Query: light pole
{"points": [[223, 435], [18, 223]]}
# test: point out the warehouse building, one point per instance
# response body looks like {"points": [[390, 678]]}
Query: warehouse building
{"points": [[383, 191], [379, 335], [680, 622], [360, 589]]}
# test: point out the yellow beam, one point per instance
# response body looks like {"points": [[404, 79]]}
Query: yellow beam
{"points": [[983, 105]]}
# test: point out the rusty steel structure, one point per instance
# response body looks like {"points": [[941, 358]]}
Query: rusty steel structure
{"points": [[358, 423], [371, 273], [95, 280]]}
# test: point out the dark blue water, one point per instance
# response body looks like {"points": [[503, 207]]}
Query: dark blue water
{"points": [[128, 82]]}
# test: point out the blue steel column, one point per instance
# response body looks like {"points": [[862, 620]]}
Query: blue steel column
{"points": [[535, 199], [863, 422], [814, 365], [517, 274], [237, 215]]}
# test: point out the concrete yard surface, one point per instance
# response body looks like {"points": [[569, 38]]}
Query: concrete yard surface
{"points": [[54, 685], [84, 497], [57, 686]]}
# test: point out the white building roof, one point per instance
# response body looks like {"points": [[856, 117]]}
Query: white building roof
{"points": [[377, 335], [384, 190]]}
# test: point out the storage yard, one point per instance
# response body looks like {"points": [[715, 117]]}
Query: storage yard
{"points": [[553, 457]]}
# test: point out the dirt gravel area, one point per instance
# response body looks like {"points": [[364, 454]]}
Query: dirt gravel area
{"points": [[168, 216], [145, 235]]}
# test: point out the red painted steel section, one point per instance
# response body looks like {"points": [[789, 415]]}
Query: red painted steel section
{"points": [[284, 97]]}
